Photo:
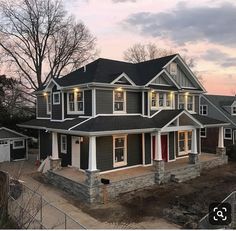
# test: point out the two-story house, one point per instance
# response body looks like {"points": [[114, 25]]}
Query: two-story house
{"points": [[111, 115], [223, 108]]}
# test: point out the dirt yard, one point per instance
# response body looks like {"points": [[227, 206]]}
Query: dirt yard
{"points": [[183, 204]]}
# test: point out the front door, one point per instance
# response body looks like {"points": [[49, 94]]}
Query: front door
{"points": [[164, 147], [75, 140]]}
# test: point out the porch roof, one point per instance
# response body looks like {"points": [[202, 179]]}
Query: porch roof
{"points": [[102, 124]]}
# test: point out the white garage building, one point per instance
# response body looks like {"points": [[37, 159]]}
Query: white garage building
{"points": [[13, 145]]}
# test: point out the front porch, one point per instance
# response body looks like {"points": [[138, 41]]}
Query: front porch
{"points": [[90, 189]]}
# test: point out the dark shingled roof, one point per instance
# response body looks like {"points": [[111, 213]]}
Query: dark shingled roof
{"points": [[4, 134], [46, 123], [205, 120], [106, 70]]}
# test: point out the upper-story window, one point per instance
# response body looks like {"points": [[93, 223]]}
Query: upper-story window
{"points": [[154, 100], [49, 103], [228, 133], [119, 101], [233, 110], [75, 102], [173, 68], [203, 109], [161, 100], [56, 98], [190, 103], [186, 101]]}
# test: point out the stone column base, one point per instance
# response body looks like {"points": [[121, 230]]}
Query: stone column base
{"points": [[159, 166], [93, 178], [55, 164], [193, 158], [221, 151]]}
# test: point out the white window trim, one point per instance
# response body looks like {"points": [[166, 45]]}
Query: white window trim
{"points": [[59, 94], [157, 100], [205, 133], [49, 112], [124, 110], [63, 150], [75, 103], [232, 110], [201, 106], [123, 163], [18, 147], [186, 102], [228, 138]]}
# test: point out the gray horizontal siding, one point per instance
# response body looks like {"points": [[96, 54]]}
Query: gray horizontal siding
{"points": [[56, 108], [134, 102], [104, 101], [42, 106]]}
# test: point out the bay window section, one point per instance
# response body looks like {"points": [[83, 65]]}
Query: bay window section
{"points": [[119, 151], [181, 102], [75, 102], [119, 101], [161, 99], [190, 103]]}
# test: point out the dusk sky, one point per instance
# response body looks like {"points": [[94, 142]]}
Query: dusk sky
{"points": [[204, 30]]}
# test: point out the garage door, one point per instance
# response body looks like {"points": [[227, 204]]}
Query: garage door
{"points": [[4, 150]]}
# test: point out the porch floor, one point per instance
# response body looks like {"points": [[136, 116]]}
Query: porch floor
{"points": [[79, 176]]}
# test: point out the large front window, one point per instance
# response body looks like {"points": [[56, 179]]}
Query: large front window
{"points": [[119, 151], [181, 102], [162, 100], [186, 101], [119, 101], [185, 140], [190, 103], [75, 102]]}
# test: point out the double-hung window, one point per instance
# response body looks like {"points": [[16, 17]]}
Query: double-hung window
{"points": [[161, 99], [203, 109], [190, 103], [228, 133], [168, 100], [185, 140], [181, 101], [119, 151], [56, 98], [75, 102], [233, 110], [63, 144], [203, 133], [154, 100], [119, 101], [49, 103]]}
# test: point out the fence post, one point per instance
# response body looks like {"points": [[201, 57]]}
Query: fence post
{"points": [[65, 221]]}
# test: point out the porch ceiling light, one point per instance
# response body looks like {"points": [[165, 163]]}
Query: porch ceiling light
{"points": [[76, 89], [119, 89], [186, 93], [45, 94]]}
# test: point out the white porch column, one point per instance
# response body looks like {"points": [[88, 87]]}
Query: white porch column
{"points": [[221, 137], [158, 146], [92, 154], [194, 142], [54, 146]]}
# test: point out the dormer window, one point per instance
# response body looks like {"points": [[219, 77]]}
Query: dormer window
{"points": [[173, 68], [233, 110], [75, 102], [119, 101], [161, 100], [56, 98]]}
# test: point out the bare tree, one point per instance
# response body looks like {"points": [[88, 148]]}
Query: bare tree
{"points": [[142, 52], [39, 40]]}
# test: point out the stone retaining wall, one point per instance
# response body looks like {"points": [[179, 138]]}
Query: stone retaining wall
{"points": [[95, 193]]}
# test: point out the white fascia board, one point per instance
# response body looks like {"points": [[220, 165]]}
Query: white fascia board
{"points": [[171, 61], [216, 125], [125, 76], [55, 83]]}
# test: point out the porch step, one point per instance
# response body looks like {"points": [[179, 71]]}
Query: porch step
{"points": [[185, 174]]}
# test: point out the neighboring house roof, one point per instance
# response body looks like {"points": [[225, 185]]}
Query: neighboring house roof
{"points": [[103, 123], [6, 133], [223, 104], [208, 121]]}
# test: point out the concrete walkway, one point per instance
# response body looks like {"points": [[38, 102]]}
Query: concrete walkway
{"points": [[57, 198]]}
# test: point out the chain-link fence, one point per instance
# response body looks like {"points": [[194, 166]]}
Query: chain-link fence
{"points": [[204, 223], [31, 211]]}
